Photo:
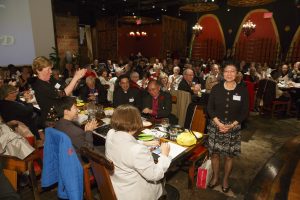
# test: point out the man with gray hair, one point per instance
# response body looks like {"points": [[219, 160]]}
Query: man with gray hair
{"points": [[187, 83]]}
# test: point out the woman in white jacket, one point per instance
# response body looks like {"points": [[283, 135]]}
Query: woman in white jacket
{"points": [[136, 176]]}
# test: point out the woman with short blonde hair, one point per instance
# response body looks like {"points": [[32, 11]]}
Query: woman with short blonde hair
{"points": [[46, 94]]}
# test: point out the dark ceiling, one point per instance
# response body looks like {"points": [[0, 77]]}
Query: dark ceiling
{"points": [[89, 10], [149, 8]]}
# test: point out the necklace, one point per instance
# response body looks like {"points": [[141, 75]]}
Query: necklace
{"points": [[229, 85]]}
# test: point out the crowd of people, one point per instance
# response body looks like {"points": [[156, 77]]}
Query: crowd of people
{"points": [[141, 87]]}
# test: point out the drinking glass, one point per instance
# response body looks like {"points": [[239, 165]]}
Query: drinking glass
{"points": [[173, 134], [165, 123]]}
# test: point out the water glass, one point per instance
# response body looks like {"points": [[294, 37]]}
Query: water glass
{"points": [[165, 123], [173, 134]]}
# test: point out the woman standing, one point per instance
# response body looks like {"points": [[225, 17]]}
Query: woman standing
{"points": [[46, 95], [227, 107], [136, 176]]}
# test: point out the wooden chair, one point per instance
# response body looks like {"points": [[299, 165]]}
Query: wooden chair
{"points": [[179, 107], [13, 166], [101, 168], [267, 94], [198, 124]]}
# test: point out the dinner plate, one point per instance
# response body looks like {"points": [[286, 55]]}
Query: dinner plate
{"points": [[145, 137], [147, 124]]}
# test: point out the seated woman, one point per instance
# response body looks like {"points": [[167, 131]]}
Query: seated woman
{"points": [[175, 78], [93, 91], [11, 109], [136, 176]]}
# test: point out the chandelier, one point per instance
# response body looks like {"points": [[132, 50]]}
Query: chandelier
{"points": [[248, 28], [197, 29]]}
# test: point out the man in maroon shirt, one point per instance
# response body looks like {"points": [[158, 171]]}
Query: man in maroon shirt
{"points": [[158, 104]]}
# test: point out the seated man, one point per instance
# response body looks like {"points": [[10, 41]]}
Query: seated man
{"points": [[126, 95], [158, 104], [186, 84], [68, 110], [93, 91], [11, 109], [213, 78]]}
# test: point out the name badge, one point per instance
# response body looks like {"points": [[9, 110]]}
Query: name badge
{"points": [[57, 86], [131, 100], [236, 98]]}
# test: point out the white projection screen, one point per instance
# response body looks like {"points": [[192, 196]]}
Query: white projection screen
{"points": [[26, 31]]}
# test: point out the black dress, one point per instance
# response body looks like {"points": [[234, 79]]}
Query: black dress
{"points": [[228, 106]]}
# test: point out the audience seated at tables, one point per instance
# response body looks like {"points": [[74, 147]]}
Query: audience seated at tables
{"points": [[213, 78], [93, 90], [284, 73], [11, 109], [136, 176], [56, 80], [68, 112], [110, 68], [134, 80], [187, 84], [157, 104], [126, 95], [295, 74], [103, 77], [252, 77], [164, 83], [280, 95], [24, 79], [175, 78]]}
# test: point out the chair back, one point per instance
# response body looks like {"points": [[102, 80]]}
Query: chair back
{"points": [[198, 119], [179, 108], [102, 168], [61, 164], [266, 91]]}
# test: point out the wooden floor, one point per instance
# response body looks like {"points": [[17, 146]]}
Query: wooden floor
{"points": [[294, 191], [269, 165]]}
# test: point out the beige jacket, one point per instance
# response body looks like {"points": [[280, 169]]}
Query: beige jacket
{"points": [[135, 171]]}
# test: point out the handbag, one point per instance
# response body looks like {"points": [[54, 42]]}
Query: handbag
{"points": [[204, 174]]}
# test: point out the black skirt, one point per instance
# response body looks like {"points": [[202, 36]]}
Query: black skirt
{"points": [[228, 144]]}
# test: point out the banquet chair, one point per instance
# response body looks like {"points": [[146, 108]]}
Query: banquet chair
{"points": [[266, 97], [101, 168], [61, 165], [12, 167], [179, 107], [198, 123]]}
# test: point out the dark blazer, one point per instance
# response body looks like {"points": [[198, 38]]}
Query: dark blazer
{"points": [[102, 93], [164, 104], [132, 96], [183, 85], [23, 112]]}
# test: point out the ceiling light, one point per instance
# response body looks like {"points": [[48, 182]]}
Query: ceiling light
{"points": [[248, 28], [153, 6]]}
